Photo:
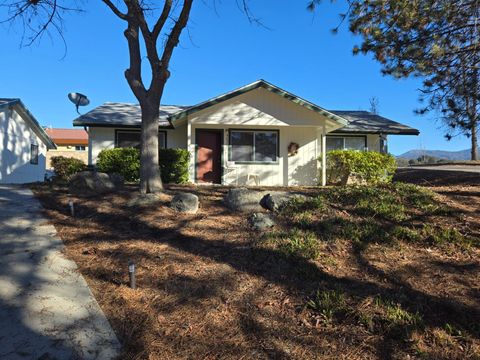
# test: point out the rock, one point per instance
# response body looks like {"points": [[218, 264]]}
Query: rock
{"points": [[244, 200], [185, 202], [276, 200], [260, 221], [92, 183], [144, 200]]}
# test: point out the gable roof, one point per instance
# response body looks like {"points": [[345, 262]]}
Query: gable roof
{"points": [[255, 85], [20, 107], [68, 136], [123, 114], [367, 122]]}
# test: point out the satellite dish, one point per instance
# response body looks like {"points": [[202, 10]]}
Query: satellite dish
{"points": [[78, 99]]}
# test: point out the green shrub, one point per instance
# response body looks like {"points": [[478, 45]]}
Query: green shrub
{"points": [[366, 166], [66, 167], [174, 165], [126, 162], [123, 161]]}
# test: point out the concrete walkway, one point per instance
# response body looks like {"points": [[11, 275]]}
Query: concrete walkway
{"points": [[46, 308]]}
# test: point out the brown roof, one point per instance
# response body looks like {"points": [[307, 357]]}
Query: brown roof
{"points": [[68, 136]]}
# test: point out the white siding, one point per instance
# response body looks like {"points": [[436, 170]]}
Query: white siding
{"points": [[104, 138], [16, 136], [300, 169]]}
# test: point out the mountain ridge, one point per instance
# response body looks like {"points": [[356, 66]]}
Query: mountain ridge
{"points": [[441, 154]]}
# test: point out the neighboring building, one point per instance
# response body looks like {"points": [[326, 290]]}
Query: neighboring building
{"points": [[249, 135], [23, 144], [70, 143]]}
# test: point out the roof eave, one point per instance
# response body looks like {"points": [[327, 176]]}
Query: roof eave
{"points": [[132, 126], [387, 132]]}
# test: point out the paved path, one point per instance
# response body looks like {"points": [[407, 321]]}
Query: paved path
{"points": [[452, 167], [46, 308]]}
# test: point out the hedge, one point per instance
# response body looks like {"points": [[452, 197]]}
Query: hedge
{"points": [[126, 162], [174, 165], [369, 167], [123, 161], [66, 167]]}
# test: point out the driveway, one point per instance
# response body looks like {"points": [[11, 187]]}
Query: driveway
{"points": [[46, 308], [451, 167]]}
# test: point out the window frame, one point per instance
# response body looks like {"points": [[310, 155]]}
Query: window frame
{"points": [[117, 131], [34, 159], [254, 162], [365, 148], [80, 146]]}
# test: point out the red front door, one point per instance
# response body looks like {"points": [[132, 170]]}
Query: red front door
{"points": [[209, 156]]}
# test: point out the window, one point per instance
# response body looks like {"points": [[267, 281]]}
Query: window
{"points": [[34, 154], [253, 146], [79, 147], [131, 138], [346, 142]]}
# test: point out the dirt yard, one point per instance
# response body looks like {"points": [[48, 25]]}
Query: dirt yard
{"points": [[210, 288]]}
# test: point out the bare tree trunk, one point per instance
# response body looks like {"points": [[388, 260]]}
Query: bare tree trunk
{"points": [[150, 180], [474, 138]]}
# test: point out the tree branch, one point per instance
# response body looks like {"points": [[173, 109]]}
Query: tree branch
{"points": [[115, 10]]}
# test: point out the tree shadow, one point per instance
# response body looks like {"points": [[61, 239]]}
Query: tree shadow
{"points": [[294, 274]]}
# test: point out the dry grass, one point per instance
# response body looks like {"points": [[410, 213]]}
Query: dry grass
{"points": [[207, 290]]}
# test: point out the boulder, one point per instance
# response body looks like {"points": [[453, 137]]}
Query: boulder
{"points": [[244, 200], [92, 183], [144, 200], [275, 200], [185, 202], [261, 221]]}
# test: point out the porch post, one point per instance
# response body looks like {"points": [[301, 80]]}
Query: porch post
{"points": [[324, 158], [191, 150]]}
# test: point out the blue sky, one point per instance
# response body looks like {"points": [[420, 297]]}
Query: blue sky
{"points": [[221, 51]]}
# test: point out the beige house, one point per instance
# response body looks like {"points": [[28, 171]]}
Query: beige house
{"points": [[258, 134], [69, 143]]}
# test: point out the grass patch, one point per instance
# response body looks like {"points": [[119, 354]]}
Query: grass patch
{"points": [[297, 243], [395, 316], [328, 303]]}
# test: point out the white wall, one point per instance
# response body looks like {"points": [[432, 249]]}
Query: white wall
{"points": [[300, 169], [16, 136], [100, 138]]}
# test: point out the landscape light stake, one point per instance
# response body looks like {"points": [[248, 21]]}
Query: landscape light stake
{"points": [[131, 274], [72, 210]]}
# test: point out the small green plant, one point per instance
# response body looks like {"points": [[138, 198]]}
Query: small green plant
{"points": [[369, 167], [295, 243], [66, 167], [300, 243], [405, 234], [395, 316], [329, 303], [437, 235], [299, 205], [452, 330]]}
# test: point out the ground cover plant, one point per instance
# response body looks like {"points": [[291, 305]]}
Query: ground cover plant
{"points": [[389, 272]]}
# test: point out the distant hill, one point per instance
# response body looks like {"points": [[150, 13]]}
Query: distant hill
{"points": [[441, 154]]}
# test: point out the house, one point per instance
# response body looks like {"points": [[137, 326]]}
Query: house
{"points": [[257, 134], [70, 143], [23, 144]]}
